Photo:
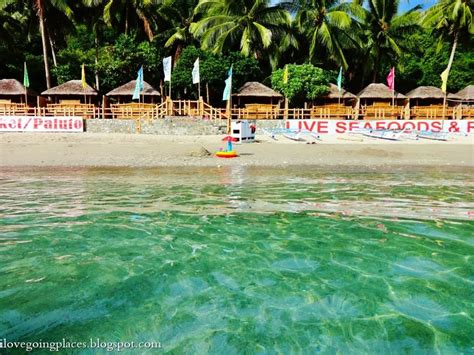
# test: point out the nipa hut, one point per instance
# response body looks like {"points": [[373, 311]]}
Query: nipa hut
{"points": [[466, 97], [375, 102], [427, 102], [123, 106], [124, 93], [256, 100], [14, 98], [335, 104], [71, 98]]}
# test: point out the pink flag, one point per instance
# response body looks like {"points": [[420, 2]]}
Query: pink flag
{"points": [[391, 79]]}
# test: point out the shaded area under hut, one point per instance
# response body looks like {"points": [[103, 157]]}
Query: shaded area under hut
{"points": [[427, 103], [334, 105], [71, 99], [123, 106], [375, 103], [465, 99], [255, 100], [14, 97]]}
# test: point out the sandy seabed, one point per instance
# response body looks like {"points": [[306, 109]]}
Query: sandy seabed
{"points": [[135, 150]]}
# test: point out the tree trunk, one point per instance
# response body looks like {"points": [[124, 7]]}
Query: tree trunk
{"points": [[177, 53], [453, 50], [376, 67], [40, 9], [126, 19], [96, 41], [53, 53]]}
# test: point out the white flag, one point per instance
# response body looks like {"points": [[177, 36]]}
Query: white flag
{"points": [[167, 68], [196, 78]]}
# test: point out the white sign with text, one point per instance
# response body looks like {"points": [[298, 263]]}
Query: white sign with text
{"points": [[41, 124]]}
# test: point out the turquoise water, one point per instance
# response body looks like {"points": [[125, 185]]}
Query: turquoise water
{"points": [[240, 260]]}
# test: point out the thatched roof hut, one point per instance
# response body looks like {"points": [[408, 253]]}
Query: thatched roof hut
{"points": [[335, 97], [428, 95], [71, 89], [254, 92], [426, 92], [14, 91], [379, 91], [256, 89], [334, 93], [466, 94], [125, 92]]}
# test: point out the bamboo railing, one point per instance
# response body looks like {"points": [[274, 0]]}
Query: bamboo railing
{"points": [[200, 109]]}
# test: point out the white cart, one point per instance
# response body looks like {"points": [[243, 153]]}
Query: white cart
{"points": [[243, 131]]}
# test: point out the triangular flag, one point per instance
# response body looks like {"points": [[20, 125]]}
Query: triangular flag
{"points": [[228, 86], [167, 68], [196, 78], [444, 80], [285, 75], [83, 77], [138, 85], [391, 79], [339, 80], [26, 79]]}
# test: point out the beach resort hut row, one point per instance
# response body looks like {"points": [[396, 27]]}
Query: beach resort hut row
{"points": [[252, 101]]}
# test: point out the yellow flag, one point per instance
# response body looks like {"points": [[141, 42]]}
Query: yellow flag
{"points": [[83, 77], [285, 75], [444, 80]]}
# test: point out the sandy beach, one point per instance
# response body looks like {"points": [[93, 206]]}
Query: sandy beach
{"points": [[122, 150]]}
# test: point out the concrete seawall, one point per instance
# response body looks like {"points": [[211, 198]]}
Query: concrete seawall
{"points": [[168, 126]]}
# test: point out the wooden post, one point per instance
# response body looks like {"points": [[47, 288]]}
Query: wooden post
{"points": [[286, 108], [207, 92]]}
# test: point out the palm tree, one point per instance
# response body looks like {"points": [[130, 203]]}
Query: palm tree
{"points": [[324, 23], [250, 25], [40, 8], [95, 20], [179, 14], [451, 19], [143, 10], [382, 31]]}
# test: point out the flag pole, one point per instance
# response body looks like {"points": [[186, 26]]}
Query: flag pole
{"points": [[229, 107], [444, 107]]}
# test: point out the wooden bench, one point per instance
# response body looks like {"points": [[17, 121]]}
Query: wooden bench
{"points": [[332, 111], [132, 110], [467, 112], [260, 111], [71, 109], [431, 112], [7, 108], [381, 111]]}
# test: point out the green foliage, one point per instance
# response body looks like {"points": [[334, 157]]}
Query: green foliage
{"points": [[365, 37], [305, 82], [213, 71], [423, 64], [119, 63]]}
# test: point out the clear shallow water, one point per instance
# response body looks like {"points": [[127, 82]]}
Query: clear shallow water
{"points": [[240, 260]]}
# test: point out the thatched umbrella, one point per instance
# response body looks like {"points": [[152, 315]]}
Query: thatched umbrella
{"points": [[13, 90], [255, 92], [126, 91], [71, 90]]}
